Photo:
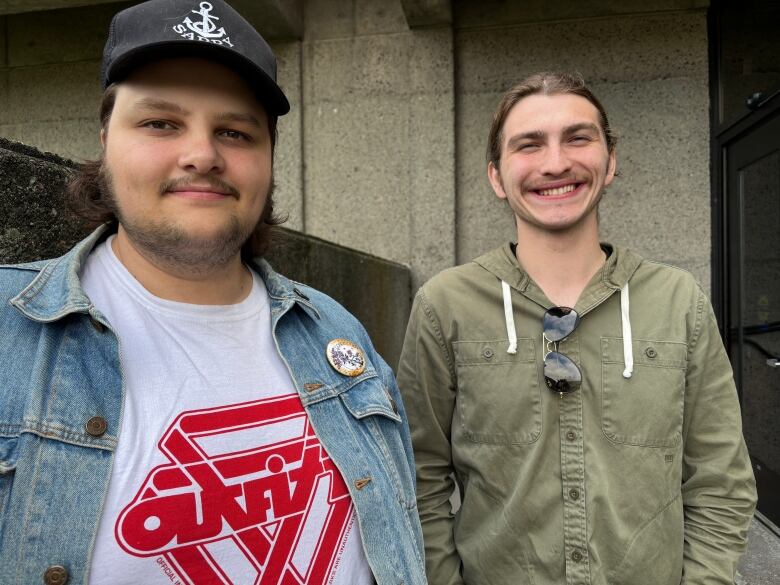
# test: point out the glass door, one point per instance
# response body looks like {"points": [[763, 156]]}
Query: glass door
{"points": [[752, 196]]}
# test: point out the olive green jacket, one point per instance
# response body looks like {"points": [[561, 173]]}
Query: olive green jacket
{"points": [[643, 480]]}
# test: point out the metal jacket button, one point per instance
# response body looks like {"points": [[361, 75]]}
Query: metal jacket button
{"points": [[576, 556], [96, 426], [574, 494], [571, 435], [650, 352], [488, 353], [55, 575]]}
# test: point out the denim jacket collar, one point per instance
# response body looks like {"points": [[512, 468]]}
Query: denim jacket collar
{"points": [[56, 291]]}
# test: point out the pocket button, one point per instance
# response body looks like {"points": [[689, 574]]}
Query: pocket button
{"points": [[96, 426], [488, 353], [651, 353], [55, 575]]}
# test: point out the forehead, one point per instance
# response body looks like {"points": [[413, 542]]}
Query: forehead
{"points": [[549, 114], [189, 82]]}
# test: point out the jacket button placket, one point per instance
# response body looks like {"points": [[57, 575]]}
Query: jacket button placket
{"points": [[573, 476]]}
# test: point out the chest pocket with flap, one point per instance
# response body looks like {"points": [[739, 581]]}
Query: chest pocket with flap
{"points": [[646, 409], [499, 396]]}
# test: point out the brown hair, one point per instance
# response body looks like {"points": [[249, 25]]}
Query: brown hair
{"points": [[87, 193], [543, 84]]}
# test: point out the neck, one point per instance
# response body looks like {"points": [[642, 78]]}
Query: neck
{"points": [[226, 284], [561, 263]]}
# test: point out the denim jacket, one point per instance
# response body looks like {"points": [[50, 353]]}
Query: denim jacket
{"points": [[60, 369]]}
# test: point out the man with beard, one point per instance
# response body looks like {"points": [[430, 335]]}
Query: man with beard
{"points": [[172, 409], [593, 441]]}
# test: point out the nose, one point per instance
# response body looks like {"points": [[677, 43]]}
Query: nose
{"points": [[556, 162], [200, 154]]}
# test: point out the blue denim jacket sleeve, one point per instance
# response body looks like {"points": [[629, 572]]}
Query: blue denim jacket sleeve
{"points": [[59, 368]]}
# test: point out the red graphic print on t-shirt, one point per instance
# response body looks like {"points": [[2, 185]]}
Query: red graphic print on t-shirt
{"points": [[249, 490]]}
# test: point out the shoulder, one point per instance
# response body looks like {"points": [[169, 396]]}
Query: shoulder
{"points": [[460, 291], [458, 284], [665, 280]]}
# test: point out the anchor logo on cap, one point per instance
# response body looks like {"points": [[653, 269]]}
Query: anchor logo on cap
{"points": [[346, 357], [206, 27]]}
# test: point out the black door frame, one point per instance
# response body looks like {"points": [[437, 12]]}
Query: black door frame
{"points": [[722, 135]]}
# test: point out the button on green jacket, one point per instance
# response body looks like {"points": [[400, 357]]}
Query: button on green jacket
{"points": [[640, 477]]}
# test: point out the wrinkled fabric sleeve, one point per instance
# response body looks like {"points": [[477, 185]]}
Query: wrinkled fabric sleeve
{"points": [[718, 487], [426, 377]]}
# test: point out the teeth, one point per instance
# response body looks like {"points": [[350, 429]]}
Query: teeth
{"points": [[557, 191]]}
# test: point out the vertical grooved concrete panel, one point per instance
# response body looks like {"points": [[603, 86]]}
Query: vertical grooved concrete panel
{"points": [[651, 72], [379, 142], [288, 155]]}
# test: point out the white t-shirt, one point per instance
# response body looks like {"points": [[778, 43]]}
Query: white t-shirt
{"points": [[218, 476]]}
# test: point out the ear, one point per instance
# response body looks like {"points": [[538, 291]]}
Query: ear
{"points": [[103, 138], [611, 168], [494, 176]]}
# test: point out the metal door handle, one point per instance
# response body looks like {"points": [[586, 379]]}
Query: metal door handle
{"points": [[773, 362]]}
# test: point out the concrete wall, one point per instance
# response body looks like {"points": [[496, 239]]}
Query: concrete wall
{"points": [[384, 148]]}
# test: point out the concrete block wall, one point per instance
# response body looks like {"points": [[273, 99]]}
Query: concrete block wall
{"points": [[383, 150], [49, 78]]}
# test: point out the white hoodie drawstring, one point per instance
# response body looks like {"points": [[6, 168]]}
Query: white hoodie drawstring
{"points": [[628, 346], [511, 333]]}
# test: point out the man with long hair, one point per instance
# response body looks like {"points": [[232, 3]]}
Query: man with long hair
{"points": [[579, 395], [172, 410]]}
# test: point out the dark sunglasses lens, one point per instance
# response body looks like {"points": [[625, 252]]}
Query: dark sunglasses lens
{"points": [[560, 373], [559, 322]]}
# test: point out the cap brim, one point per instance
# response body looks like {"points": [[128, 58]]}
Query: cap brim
{"points": [[268, 92]]}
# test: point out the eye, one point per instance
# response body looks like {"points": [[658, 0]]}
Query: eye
{"points": [[579, 139], [158, 125], [527, 147], [236, 135]]}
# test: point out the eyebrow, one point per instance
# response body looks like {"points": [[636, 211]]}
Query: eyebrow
{"points": [[241, 118], [539, 135], [156, 105]]}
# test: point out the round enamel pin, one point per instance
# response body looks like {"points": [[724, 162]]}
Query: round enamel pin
{"points": [[346, 357]]}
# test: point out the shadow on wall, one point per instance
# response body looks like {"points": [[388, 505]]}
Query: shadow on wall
{"points": [[34, 224]]}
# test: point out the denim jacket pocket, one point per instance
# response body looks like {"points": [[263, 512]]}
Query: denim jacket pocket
{"points": [[499, 396], [371, 403], [368, 398], [647, 408]]}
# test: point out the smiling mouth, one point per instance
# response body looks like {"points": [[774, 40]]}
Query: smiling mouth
{"points": [[557, 190]]}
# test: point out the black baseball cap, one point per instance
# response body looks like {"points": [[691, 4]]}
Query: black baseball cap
{"points": [[163, 29]]}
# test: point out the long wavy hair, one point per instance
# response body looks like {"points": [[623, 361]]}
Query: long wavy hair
{"points": [[88, 194]]}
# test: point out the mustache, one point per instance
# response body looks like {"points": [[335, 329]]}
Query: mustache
{"points": [[216, 183]]}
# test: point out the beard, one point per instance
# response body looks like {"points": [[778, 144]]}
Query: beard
{"points": [[169, 243]]}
